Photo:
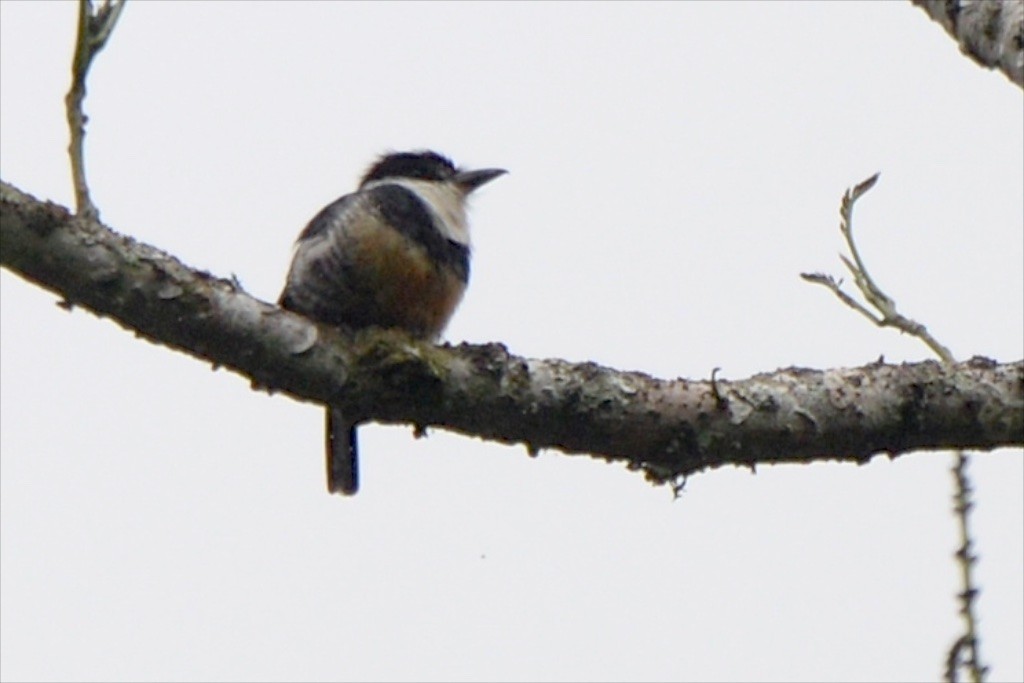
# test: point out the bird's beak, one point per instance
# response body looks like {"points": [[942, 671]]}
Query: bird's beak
{"points": [[471, 180]]}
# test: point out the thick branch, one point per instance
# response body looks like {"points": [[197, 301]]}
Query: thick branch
{"points": [[990, 32], [669, 428]]}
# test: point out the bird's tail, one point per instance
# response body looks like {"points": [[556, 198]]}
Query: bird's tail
{"points": [[342, 454]]}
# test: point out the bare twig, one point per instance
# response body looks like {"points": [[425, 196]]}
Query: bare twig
{"points": [[964, 651], [887, 315], [950, 675], [94, 28]]}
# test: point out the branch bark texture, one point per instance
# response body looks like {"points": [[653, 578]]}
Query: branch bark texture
{"points": [[668, 428], [991, 32]]}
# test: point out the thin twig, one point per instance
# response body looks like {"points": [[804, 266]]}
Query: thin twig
{"points": [[964, 652], [94, 28], [887, 315]]}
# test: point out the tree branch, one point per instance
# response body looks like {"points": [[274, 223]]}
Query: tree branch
{"points": [[990, 32], [667, 428], [94, 28], [965, 650]]}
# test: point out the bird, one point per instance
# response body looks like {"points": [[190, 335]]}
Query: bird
{"points": [[393, 254]]}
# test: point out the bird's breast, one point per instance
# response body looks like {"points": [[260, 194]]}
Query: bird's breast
{"points": [[400, 283], [378, 258]]}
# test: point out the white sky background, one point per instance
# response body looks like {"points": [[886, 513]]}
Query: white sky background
{"points": [[673, 168]]}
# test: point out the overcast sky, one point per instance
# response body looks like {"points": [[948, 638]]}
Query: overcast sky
{"points": [[673, 168]]}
